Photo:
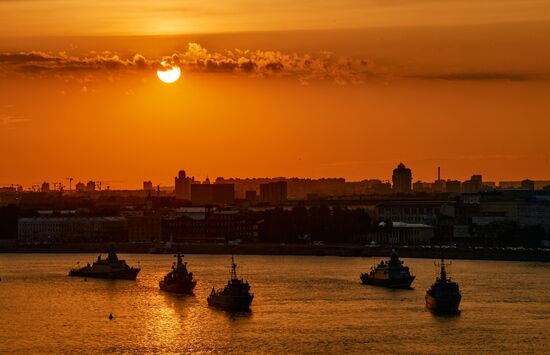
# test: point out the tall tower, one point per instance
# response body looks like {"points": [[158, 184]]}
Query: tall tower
{"points": [[183, 185], [402, 179]]}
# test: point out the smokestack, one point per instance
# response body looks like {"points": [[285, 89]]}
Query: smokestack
{"points": [[438, 173]]}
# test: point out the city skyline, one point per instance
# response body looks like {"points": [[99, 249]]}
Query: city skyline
{"points": [[416, 185]]}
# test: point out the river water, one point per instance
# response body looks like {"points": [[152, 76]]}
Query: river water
{"points": [[301, 305]]}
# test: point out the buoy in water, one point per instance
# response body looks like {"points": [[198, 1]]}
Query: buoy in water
{"points": [[110, 316]]}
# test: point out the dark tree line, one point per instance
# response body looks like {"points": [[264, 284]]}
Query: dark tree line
{"points": [[302, 224], [509, 233]]}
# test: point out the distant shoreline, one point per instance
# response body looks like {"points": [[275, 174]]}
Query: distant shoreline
{"points": [[344, 250]]}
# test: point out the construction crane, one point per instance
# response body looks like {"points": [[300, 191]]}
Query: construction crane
{"points": [[107, 183]]}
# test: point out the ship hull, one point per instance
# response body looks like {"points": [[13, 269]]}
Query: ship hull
{"points": [[231, 303], [446, 305], [389, 283], [184, 288], [126, 274]]}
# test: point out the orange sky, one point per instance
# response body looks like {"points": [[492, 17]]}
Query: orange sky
{"points": [[459, 84]]}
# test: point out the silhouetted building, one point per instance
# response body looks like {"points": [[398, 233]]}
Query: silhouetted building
{"points": [[399, 233], [474, 185], [439, 185], [209, 226], [453, 186], [80, 187], [212, 194], [274, 192], [90, 186], [147, 186], [402, 179], [527, 185], [144, 229], [425, 212], [183, 185], [251, 195], [45, 187], [51, 230], [527, 208], [421, 186], [377, 187], [8, 223], [538, 184]]}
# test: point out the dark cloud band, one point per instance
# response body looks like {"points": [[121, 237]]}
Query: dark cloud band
{"points": [[323, 66]]}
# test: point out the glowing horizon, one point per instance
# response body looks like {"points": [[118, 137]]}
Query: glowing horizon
{"points": [[466, 89]]}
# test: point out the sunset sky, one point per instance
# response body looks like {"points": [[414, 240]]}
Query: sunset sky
{"points": [[273, 88]]}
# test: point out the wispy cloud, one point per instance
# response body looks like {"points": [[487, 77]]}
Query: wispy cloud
{"points": [[478, 76], [8, 119]]}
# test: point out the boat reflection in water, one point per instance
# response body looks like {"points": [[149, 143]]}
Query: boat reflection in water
{"points": [[179, 280], [392, 274], [110, 268], [235, 296], [443, 297]]}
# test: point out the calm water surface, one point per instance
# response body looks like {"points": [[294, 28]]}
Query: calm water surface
{"points": [[301, 305]]}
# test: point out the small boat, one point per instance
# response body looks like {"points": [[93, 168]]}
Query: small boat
{"points": [[235, 296], [110, 268], [179, 280], [443, 297], [392, 274]]}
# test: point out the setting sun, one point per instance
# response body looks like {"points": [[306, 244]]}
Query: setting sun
{"points": [[170, 74]]}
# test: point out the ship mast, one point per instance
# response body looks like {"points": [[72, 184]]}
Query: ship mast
{"points": [[233, 269], [443, 276]]}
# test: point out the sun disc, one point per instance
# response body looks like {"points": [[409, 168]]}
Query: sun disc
{"points": [[170, 75]]}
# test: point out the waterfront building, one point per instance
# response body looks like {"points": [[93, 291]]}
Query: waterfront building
{"points": [[144, 229], [409, 211], [526, 208], [51, 230], [209, 225], [399, 233], [8, 223]]}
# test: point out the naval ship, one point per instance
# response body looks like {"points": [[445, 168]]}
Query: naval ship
{"points": [[392, 274], [444, 295], [179, 280], [110, 268], [235, 296]]}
